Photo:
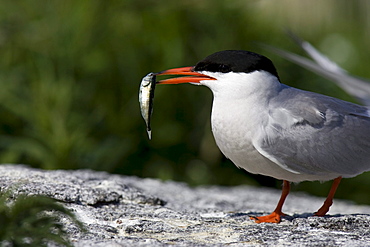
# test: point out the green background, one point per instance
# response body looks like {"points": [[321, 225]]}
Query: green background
{"points": [[70, 72]]}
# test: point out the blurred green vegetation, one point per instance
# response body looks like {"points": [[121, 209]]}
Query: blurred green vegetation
{"points": [[34, 221], [70, 72]]}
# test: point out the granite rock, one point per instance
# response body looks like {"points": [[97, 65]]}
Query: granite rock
{"points": [[129, 211]]}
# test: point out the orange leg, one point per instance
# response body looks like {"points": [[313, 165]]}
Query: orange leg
{"points": [[275, 216], [329, 200]]}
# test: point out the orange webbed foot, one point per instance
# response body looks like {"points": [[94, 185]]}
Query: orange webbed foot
{"points": [[274, 217]]}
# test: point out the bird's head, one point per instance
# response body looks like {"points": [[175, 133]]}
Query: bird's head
{"points": [[226, 70]]}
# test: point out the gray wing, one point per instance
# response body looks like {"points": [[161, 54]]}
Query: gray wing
{"points": [[355, 86], [315, 134]]}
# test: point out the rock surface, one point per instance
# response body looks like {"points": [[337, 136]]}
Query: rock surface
{"points": [[129, 211]]}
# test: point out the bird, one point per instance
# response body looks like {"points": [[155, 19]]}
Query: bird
{"points": [[269, 128], [357, 87]]}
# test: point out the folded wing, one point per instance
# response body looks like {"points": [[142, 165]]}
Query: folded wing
{"points": [[309, 133]]}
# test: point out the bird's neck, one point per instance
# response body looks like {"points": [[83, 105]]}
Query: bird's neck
{"points": [[236, 115], [253, 88]]}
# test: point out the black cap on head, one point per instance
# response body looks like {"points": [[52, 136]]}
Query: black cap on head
{"points": [[236, 61]]}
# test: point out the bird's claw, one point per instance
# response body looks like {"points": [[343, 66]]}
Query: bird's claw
{"points": [[274, 217]]}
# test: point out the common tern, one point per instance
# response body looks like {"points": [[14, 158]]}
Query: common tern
{"points": [[269, 128], [358, 87]]}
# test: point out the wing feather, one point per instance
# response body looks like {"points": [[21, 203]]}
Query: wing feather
{"points": [[315, 134]]}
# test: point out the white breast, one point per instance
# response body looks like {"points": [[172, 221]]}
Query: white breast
{"points": [[239, 115], [234, 129]]}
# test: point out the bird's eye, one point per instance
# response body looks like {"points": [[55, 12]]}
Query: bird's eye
{"points": [[212, 67], [224, 68]]}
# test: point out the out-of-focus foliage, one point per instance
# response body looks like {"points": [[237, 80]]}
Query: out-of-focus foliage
{"points": [[33, 221], [70, 72]]}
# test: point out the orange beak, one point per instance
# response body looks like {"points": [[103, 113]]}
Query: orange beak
{"points": [[193, 77]]}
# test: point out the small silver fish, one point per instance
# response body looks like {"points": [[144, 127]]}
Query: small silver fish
{"points": [[146, 96]]}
